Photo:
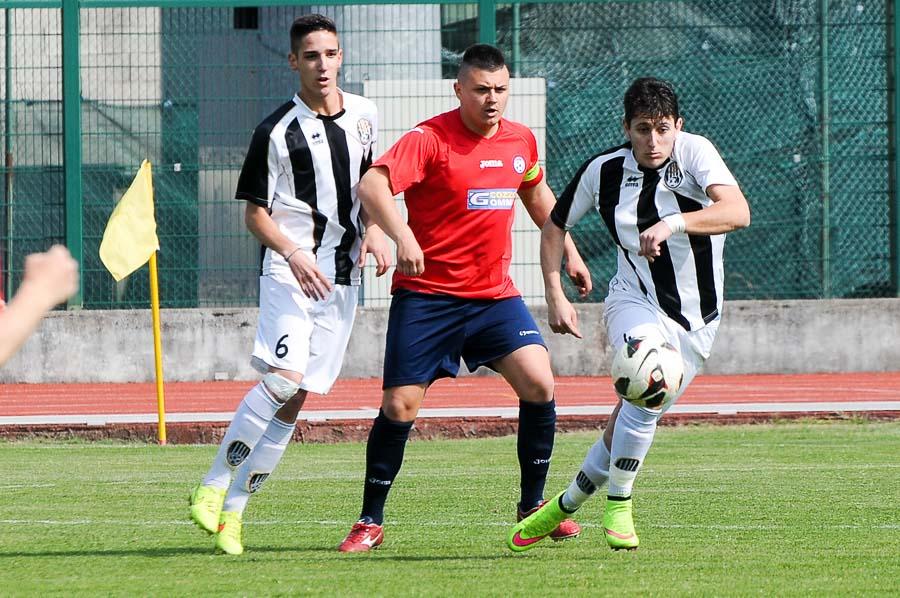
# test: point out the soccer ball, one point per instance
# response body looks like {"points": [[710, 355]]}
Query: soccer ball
{"points": [[647, 373]]}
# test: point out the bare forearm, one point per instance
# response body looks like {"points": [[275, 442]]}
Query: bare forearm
{"points": [[266, 231], [552, 245], [728, 212], [20, 318]]}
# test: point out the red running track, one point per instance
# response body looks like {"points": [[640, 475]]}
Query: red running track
{"points": [[465, 392]]}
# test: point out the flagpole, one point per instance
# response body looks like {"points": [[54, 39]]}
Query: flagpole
{"points": [[157, 350]]}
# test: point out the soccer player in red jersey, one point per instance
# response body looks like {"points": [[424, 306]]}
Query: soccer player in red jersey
{"points": [[461, 173]]}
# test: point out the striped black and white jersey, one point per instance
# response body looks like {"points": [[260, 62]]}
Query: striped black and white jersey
{"points": [[305, 167], [686, 281]]}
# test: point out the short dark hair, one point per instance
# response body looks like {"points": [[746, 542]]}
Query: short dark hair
{"points": [[650, 97], [306, 24], [482, 56]]}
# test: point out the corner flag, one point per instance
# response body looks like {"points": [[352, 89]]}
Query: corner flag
{"points": [[129, 242], [130, 236]]}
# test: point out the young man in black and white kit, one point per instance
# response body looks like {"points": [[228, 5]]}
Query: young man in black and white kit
{"points": [[299, 180], [667, 199]]}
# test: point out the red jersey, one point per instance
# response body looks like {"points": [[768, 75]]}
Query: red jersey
{"points": [[460, 190]]}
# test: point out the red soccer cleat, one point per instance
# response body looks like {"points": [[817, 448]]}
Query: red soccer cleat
{"points": [[566, 530], [363, 537]]}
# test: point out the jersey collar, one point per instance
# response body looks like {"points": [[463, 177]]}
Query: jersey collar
{"points": [[310, 113]]}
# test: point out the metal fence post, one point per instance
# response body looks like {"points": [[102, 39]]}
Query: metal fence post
{"points": [[487, 22], [72, 131], [894, 140], [825, 130]]}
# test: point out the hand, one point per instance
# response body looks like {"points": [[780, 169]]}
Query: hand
{"points": [[562, 316], [652, 239], [579, 274], [375, 243], [410, 259], [313, 283], [52, 275]]}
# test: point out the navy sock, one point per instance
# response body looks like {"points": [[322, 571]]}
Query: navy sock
{"points": [[537, 427], [384, 456]]}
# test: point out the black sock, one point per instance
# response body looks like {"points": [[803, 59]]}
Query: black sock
{"points": [[537, 426], [384, 456]]}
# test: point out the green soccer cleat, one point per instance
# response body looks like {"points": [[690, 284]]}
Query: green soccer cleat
{"points": [[537, 526], [228, 538], [618, 525], [206, 504]]}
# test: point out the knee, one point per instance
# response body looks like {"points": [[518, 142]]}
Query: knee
{"points": [[400, 408], [538, 392], [636, 417], [280, 387]]}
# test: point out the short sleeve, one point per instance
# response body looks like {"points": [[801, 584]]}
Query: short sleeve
{"points": [[579, 197], [703, 162], [533, 174], [259, 173], [408, 159]]}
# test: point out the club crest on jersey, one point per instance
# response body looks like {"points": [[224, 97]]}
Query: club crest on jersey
{"points": [[519, 164], [491, 199], [364, 128], [673, 175]]}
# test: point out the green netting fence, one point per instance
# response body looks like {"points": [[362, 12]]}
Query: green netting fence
{"points": [[799, 96]]}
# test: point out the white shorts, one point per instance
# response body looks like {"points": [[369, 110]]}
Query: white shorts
{"points": [[628, 313], [299, 334]]}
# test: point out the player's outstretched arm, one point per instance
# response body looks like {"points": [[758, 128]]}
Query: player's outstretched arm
{"points": [[377, 199], [563, 318], [312, 282], [50, 278]]}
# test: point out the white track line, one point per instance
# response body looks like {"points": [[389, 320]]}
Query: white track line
{"points": [[459, 412]]}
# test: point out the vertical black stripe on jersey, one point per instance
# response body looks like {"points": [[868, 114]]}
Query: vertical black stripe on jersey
{"points": [[340, 166], [305, 177], [701, 246], [661, 268], [365, 163], [611, 173], [560, 212], [253, 182]]}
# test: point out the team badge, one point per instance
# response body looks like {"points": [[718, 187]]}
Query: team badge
{"points": [[673, 176], [255, 481], [364, 128], [519, 164]]}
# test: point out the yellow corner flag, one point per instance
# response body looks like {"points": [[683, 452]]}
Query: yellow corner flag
{"points": [[130, 236]]}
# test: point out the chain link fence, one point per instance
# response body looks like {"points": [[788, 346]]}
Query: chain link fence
{"points": [[796, 94]]}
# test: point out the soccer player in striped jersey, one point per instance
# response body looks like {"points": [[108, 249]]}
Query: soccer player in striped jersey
{"points": [[299, 181], [667, 199], [461, 173]]}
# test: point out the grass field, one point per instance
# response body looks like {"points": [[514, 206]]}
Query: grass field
{"points": [[784, 509]]}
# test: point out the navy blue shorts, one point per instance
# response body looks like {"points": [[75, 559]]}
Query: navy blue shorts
{"points": [[427, 334]]}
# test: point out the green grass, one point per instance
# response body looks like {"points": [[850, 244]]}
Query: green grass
{"points": [[786, 509]]}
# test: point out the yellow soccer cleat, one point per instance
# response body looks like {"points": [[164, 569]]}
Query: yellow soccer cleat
{"points": [[540, 524], [228, 538], [206, 504], [618, 525]]}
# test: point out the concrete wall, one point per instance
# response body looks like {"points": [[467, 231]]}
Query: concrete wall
{"points": [[208, 344]]}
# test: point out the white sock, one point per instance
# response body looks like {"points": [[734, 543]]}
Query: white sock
{"points": [[257, 467], [248, 424], [631, 441], [593, 475]]}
